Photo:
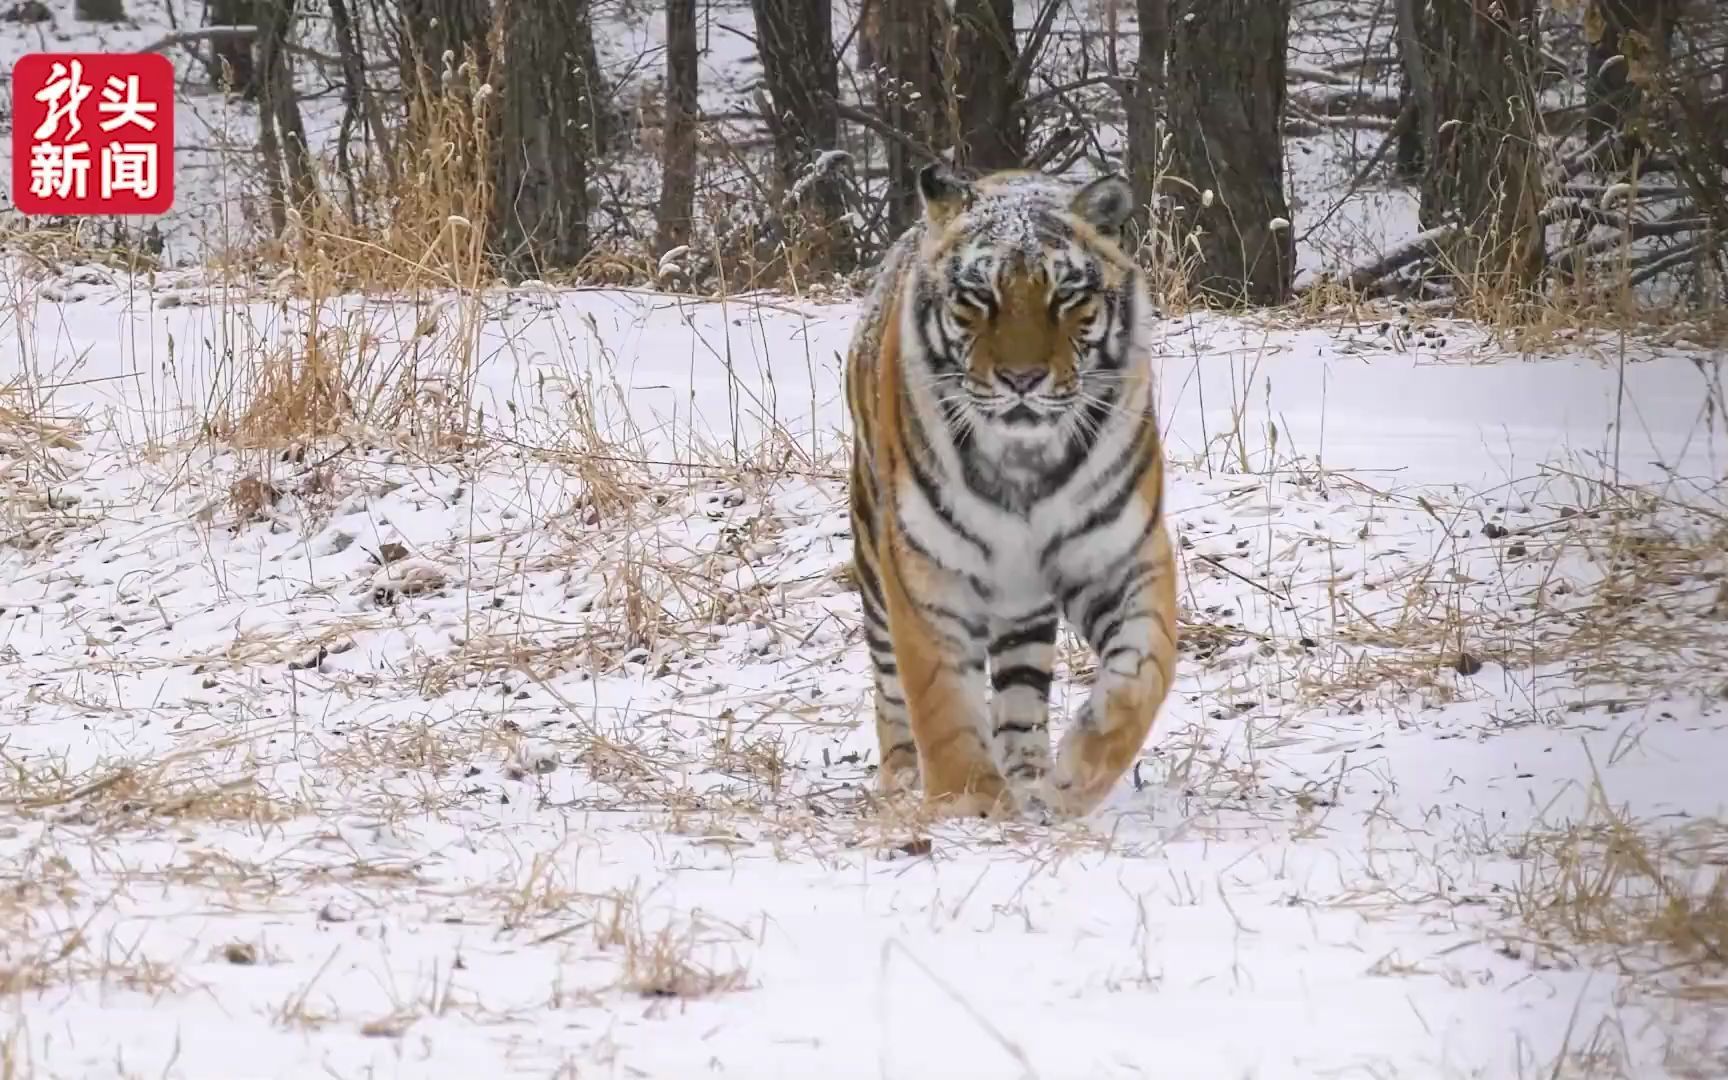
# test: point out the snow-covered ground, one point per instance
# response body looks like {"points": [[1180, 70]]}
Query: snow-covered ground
{"points": [[547, 752]]}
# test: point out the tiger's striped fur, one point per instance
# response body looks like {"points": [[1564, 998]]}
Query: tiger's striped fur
{"points": [[1007, 471]]}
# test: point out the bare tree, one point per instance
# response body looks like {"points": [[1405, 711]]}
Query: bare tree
{"points": [[540, 185], [1480, 140], [1414, 86], [1226, 82], [1144, 100], [234, 69], [357, 106], [1622, 33], [908, 90], [99, 10], [281, 131], [988, 85], [678, 157], [440, 34], [597, 115], [801, 79], [802, 83]]}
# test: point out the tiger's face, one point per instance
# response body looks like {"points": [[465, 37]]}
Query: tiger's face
{"points": [[1026, 284], [1025, 331]]}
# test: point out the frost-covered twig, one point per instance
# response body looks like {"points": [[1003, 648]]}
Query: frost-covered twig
{"points": [[1300, 114], [825, 167], [1423, 245], [1656, 266], [203, 33]]}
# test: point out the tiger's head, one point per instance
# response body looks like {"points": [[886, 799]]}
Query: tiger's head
{"points": [[1026, 300]]}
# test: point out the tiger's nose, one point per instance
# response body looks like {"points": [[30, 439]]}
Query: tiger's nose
{"points": [[1021, 382]]}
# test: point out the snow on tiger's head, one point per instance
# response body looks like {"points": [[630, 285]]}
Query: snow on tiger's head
{"points": [[1024, 294]]}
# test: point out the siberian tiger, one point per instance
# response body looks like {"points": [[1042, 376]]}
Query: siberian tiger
{"points": [[1006, 470]]}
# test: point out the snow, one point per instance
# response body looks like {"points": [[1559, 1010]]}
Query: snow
{"points": [[439, 817]]}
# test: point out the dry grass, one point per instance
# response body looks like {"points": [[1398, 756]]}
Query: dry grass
{"points": [[300, 395], [43, 249], [677, 955], [68, 958], [34, 447], [424, 211], [178, 786], [1616, 589], [668, 960], [1654, 895]]}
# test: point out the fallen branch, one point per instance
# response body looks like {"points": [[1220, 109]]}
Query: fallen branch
{"points": [[1597, 191], [1301, 115], [1664, 263], [1310, 73], [205, 33], [1577, 255], [1347, 103], [1424, 245], [1405, 118]]}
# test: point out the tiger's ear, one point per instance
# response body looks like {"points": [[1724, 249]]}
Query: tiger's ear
{"points": [[1104, 204], [945, 195]]}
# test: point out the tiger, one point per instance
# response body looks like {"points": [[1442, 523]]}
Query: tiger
{"points": [[1007, 473]]}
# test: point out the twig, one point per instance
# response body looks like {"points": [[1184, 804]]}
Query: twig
{"points": [[203, 33], [1422, 246], [1267, 589]]}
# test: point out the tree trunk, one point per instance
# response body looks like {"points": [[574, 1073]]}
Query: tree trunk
{"points": [[282, 133], [1226, 82], [440, 34], [802, 81], [908, 90], [1415, 86], [1479, 141], [678, 159], [234, 69], [597, 116], [869, 35], [801, 76], [1407, 137], [1639, 32], [1145, 103], [990, 129], [99, 10], [357, 107], [540, 187]]}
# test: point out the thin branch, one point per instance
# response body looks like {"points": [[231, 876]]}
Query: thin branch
{"points": [[1423, 245], [1034, 43], [203, 33], [859, 116], [1027, 103], [1410, 51], [1662, 264]]}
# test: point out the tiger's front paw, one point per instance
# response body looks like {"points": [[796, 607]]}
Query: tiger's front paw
{"points": [[1060, 797], [1034, 809], [973, 804], [898, 774], [983, 794]]}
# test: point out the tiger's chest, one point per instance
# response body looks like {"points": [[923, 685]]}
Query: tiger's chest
{"points": [[1015, 557]]}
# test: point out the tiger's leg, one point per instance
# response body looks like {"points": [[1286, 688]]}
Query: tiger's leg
{"points": [[1129, 619], [1022, 651], [896, 749], [897, 753], [939, 648]]}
